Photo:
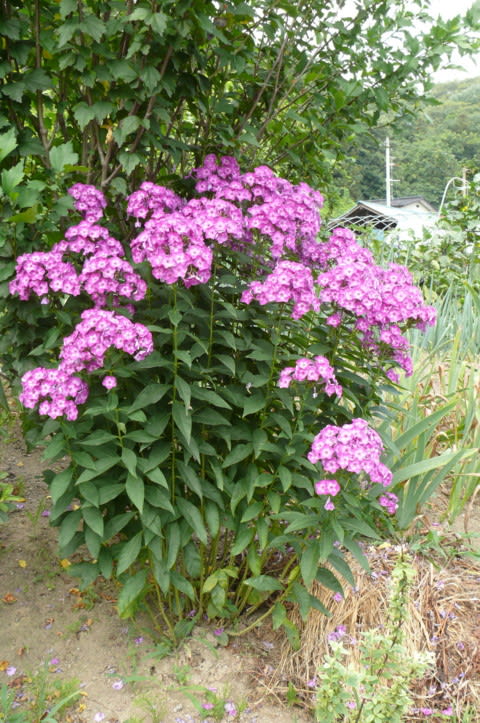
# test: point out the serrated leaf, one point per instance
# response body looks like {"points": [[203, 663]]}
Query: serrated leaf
{"points": [[62, 155], [83, 114], [8, 143]]}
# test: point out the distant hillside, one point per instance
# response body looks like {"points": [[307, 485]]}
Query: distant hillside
{"points": [[428, 147]]}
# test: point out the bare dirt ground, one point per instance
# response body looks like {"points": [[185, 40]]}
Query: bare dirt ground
{"points": [[48, 626], [51, 632]]}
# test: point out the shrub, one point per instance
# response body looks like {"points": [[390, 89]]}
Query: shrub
{"points": [[213, 400]]}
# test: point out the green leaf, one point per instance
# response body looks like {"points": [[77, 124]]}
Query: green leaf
{"points": [[109, 492], [158, 23], [309, 563], [238, 453], [264, 583], [135, 489], [212, 517], [242, 539], [182, 584], [62, 155], [12, 177], [83, 114], [183, 389], [129, 459], [172, 537], [327, 578], [133, 590], [94, 519], [60, 483], [150, 395], [183, 420], [193, 517], [209, 396], [69, 527], [115, 524], [279, 615], [253, 404], [252, 512], [126, 126], [190, 478], [8, 143], [97, 438], [27, 216], [129, 553]]}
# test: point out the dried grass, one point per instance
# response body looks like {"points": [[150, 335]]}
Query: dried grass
{"points": [[443, 617]]}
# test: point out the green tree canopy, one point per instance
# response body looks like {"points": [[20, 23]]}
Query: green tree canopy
{"points": [[134, 90]]}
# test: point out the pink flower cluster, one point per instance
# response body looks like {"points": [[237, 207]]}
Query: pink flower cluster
{"points": [[88, 238], [215, 173], [104, 275], [41, 272], [289, 281], [97, 332], [174, 246], [354, 447], [56, 391], [153, 200], [389, 501], [378, 299], [311, 370], [88, 200]]}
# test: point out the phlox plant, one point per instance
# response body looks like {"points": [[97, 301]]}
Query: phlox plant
{"points": [[214, 394]]}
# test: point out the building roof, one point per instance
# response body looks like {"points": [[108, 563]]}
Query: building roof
{"points": [[378, 215]]}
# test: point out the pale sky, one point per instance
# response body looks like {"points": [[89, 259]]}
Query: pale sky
{"points": [[447, 9]]}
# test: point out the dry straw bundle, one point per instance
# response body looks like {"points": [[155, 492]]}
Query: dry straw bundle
{"points": [[443, 617]]}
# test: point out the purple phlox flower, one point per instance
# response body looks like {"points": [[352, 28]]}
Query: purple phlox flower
{"points": [[353, 447], [88, 238], [174, 246], [339, 632], [230, 708], [43, 272], [216, 173], [311, 370], [103, 275], [389, 501], [289, 281], [109, 382], [56, 391], [117, 685], [327, 487], [88, 200], [153, 200]]}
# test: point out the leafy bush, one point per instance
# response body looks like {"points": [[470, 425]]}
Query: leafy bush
{"points": [[256, 353]]}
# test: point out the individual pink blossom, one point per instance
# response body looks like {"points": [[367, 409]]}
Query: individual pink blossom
{"points": [[327, 487], [329, 505], [109, 382]]}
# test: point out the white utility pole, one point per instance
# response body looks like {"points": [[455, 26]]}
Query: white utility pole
{"points": [[388, 176]]}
